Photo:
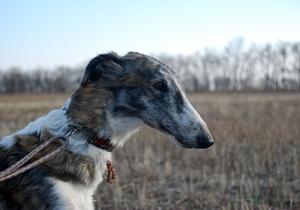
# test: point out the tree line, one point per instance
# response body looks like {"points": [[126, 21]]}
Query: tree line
{"points": [[239, 66]]}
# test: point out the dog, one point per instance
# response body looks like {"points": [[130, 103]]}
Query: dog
{"points": [[117, 95]]}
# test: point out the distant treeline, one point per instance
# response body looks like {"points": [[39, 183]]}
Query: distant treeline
{"points": [[236, 67]]}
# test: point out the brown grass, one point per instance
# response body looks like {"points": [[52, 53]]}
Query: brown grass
{"points": [[254, 164]]}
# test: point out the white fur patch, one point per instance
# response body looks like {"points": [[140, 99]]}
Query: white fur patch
{"points": [[74, 196], [56, 121], [123, 128], [77, 196]]}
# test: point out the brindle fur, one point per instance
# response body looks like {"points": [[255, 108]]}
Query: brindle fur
{"points": [[66, 165], [18, 193], [87, 107]]}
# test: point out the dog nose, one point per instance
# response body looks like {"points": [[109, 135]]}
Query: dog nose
{"points": [[204, 141]]}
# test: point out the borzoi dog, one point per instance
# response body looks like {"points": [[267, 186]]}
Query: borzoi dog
{"points": [[117, 95]]}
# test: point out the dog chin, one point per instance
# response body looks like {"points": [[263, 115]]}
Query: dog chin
{"points": [[184, 144], [180, 142]]}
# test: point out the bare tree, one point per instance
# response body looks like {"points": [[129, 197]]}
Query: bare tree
{"points": [[236, 67]]}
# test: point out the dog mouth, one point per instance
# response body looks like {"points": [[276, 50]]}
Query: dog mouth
{"points": [[202, 141], [180, 140], [194, 144]]}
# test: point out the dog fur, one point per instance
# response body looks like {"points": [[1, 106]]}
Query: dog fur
{"points": [[116, 96]]}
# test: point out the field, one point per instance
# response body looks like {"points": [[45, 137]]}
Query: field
{"points": [[254, 164]]}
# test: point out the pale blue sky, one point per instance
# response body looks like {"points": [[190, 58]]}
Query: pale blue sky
{"points": [[54, 32]]}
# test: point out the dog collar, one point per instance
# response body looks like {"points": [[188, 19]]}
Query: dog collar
{"points": [[93, 138], [102, 143]]}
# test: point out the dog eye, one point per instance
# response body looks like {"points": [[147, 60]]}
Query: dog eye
{"points": [[161, 86]]}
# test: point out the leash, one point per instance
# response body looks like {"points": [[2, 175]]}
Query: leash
{"points": [[18, 167]]}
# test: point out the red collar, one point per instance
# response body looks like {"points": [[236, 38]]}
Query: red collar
{"points": [[97, 141], [102, 143]]}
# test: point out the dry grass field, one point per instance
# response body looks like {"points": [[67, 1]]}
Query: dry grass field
{"points": [[254, 164]]}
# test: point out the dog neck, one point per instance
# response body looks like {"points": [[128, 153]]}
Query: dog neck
{"points": [[92, 137]]}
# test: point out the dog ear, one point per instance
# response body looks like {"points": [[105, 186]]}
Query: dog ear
{"points": [[106, 68]]}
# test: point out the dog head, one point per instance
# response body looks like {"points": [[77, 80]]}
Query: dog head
{"points": [[146, 90]]}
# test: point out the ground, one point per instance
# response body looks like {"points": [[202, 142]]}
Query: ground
{"points": [[254, 164]]}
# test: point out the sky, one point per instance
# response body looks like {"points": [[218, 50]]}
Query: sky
{"points": [[49, 33]]}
